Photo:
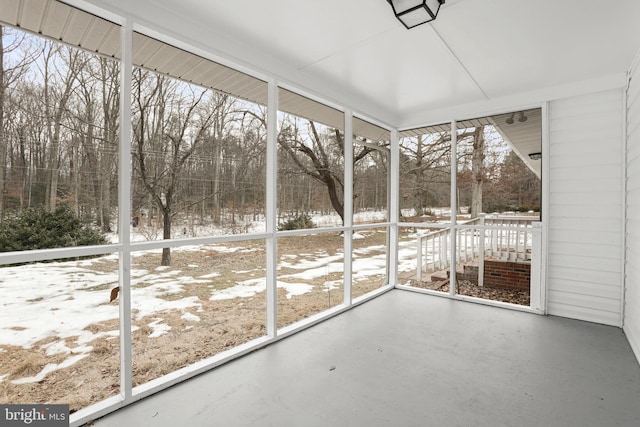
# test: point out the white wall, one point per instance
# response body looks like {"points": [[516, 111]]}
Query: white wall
{"points": [[585, 215], [632, 266]]}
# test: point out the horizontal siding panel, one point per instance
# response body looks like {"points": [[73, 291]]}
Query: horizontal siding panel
{"points": [[602, 185], [633, 169], [633, 229], [592, 251], [602, 213], [581, 313], [632, 261], [587, 220], [590, 103], [567, 135], [588, 237], [611, 305], [584, 263], [561, 272], [569, 128], [585, 207], [568, 148], [633, 116], [633, 255], [633, 154], [633, 201], [588, 289], [585, 198], [567, 171], [583, 162]]}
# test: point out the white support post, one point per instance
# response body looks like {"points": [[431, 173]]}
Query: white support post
{"points": [[481, 234], [124, 211], [419, 260], [394, 206], [272, 209], [454, 206], [348, 208], [545, 202], [535, 284], [444, 249]]}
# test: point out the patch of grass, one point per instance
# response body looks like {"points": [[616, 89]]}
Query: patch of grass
{"points": [[28, 366]]}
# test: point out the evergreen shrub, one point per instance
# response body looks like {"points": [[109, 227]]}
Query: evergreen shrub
{"points": [[43, 229], [300, 222]]}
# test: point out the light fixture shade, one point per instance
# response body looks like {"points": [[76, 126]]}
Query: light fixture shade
{"points": [[415, 12], [535, 156]]}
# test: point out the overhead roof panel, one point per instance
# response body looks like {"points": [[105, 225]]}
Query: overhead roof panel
{"points": [[187, 65], [78, 26], [302, 106], [144, 48], [370, 131], [162, 54], [446, 127], [54, 22], [10, 10], [31, 14], [252, 88], [111, 44], [59, 21], [104, 38]]}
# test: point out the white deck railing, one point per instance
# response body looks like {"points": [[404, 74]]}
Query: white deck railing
{"points": [[505, 238]]}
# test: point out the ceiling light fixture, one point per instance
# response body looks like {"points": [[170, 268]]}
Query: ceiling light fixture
{"points": [[535, 156], [509, 120], [415, 12]]}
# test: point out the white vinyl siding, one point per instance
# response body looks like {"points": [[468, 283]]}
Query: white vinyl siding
{"points": [[632, 265], [585, 213]]}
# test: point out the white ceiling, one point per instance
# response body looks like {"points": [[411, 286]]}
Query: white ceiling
{"points": [[355, 53], [477, 50]]}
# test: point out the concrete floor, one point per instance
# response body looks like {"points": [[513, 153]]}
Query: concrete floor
{"points": [[406, 359]]}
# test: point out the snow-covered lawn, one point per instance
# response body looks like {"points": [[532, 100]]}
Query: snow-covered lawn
{"points": [[53, 305]]}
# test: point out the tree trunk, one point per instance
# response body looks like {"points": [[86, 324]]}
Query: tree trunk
{"points": [[216, 183], [3, 144], [166, 235], [477, 171]]}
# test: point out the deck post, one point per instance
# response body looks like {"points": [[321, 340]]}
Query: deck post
{"points": [[481, 235], [419, 260], [535, 283]]}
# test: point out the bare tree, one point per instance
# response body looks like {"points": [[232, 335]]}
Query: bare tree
{"points": [[477, 171], [320, 158], [61, 66], [169, 126], [10, 72], [426, 164]]}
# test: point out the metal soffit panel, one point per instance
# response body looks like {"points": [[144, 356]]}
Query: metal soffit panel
{"points": [[163, 58], [524, 137], [64, 23], [445, 127], [61, 22]]}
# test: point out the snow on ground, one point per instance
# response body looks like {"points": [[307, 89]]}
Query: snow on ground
{"points": [[61, 299], [250, 288]]}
